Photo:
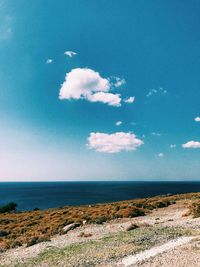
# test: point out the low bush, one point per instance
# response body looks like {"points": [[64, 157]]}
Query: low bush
{"points": [[35, 240], [130, 212], [3, 233], [194, 209], [16, 244], [8, 208]]}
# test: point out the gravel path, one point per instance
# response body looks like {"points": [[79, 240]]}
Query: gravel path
{"points": [[147, 254], [187, 255]]}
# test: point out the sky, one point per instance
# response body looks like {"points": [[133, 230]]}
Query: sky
{"points": [[99, 90]]}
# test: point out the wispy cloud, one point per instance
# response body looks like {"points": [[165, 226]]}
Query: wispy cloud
{"points": [[129, 100], [49, 61], [117, 81], [156, 134], [160, 155], [70, 53], [159, 91], [85, 83], [118, 123], [113, 143], [191, 144]]}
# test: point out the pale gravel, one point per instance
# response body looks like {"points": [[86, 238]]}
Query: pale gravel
{"points": [[187, 255], [149, 253]]}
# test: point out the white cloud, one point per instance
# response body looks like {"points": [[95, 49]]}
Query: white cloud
{"points": [[84, 83], [191, 144], [106, 98], [118, 81], [155, 134], [113, 143], [159, 91], [197, 119], [70, 53], [118, 123], [172, 146], [49, 61], [129, 100], [160, 155]]}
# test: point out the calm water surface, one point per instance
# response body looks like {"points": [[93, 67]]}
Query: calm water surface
{"points": [[29, 195]]}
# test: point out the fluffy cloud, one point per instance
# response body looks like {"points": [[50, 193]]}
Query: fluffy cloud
{"points": [[106, 98], [191, 144], [113, 143], [129, 100], [118, 123], [70, 53], [159, 91], [49, 61], [84, 83], [160, 155], [197, 119]]}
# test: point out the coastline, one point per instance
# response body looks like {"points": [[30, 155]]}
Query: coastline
{"points": [[124, 236]]}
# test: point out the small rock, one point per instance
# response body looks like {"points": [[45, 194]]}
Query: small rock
{"points": [[132, 227], [69, 227]]}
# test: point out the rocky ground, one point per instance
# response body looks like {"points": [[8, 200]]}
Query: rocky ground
{"points": [[107, 245]]}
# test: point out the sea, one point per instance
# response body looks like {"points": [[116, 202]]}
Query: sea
{"points": [[43, 195]]}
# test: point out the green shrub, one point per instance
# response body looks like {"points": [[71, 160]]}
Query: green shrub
{"points": [[3, 233], [16, 244], [8, 208]]}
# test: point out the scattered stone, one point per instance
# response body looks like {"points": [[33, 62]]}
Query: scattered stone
{"points": [[69, 227], [82, 234], [132, 227]]}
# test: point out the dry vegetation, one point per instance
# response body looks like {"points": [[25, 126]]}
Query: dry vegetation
{"points": [[194, 209], [31, 227]]}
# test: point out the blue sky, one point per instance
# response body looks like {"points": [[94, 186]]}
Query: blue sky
{"points": [[134, 62]]}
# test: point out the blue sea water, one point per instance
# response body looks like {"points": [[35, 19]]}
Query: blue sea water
{"points": [[29, 195]]}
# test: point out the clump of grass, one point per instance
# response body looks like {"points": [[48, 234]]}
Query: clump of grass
{"points": [[35, 240], [83, 234], [130, 212], [8, 208], [194, 209]]}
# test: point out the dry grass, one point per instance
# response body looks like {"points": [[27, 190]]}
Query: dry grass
{"points": [[194, 209], [36, 226]]}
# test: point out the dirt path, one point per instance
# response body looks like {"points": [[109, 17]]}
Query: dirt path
{"points": [[132, 260], [187, 255]]}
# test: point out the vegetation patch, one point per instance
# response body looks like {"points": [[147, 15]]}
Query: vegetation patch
{"points": [[108, 249], [194, 209], [43, 224]]}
